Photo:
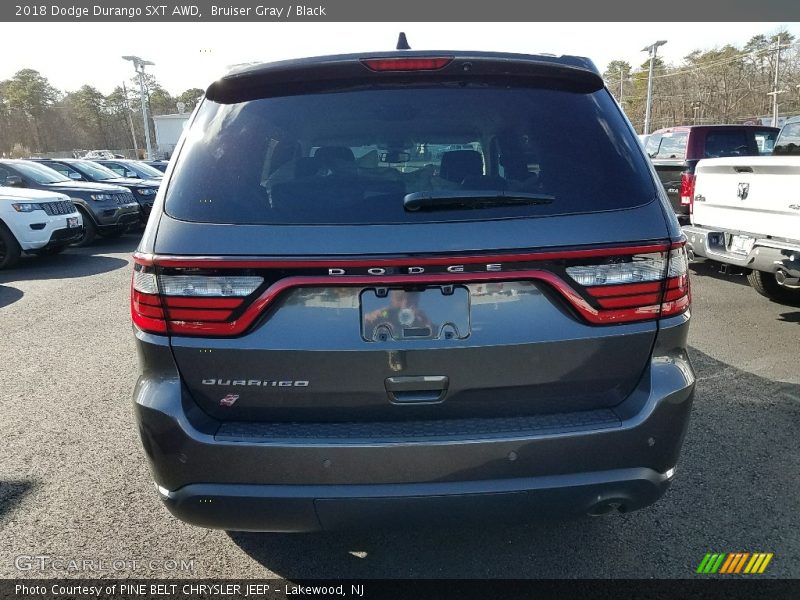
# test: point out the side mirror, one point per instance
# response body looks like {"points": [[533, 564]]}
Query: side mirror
{"points": [[14, 181], [75, 176]]}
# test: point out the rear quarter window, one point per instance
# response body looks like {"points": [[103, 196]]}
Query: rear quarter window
{"points": [[351, 156], [789, 140]]}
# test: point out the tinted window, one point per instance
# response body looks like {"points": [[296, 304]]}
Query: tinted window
{"points": [[93, 170], [351, 157], [668, 145], [789, 139], [143, 170], [41, 174], [726, 143], [64, 170]]}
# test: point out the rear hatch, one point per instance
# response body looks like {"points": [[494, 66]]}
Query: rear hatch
{"points": [[395, 245], [756, 195]]}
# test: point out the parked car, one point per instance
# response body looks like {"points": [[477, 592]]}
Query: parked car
{"points": [[675, 152], [107, 210], [143, 190], [746, 213], [132, 169], [319, 344], [95, 154], [35, 222], [161, 165]]}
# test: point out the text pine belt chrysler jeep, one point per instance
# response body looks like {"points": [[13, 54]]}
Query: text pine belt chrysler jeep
{"points": [[406, 285]]}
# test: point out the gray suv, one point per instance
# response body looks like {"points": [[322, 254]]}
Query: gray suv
{"points": [[410, 286]]}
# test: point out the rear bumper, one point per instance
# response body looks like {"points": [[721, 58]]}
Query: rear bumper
{"points": [[768, 255], [297, 508], [255, 477]]}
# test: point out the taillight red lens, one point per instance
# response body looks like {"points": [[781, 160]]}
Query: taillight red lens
{"points": [[407, 64], [687, 189], [187, 302], [639, 287]]}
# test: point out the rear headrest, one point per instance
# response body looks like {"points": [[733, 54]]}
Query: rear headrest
{"points": [[457, 165], [334, 154], [307, 167]]}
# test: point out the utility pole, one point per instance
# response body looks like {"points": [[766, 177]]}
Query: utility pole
{"points": [[775, 91], [652, 49], [130, 119], [139, 65]]}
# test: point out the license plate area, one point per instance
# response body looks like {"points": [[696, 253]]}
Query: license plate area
{"points": [[424, 313], [741, 244]]}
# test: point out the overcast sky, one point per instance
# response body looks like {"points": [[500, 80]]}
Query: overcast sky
{"points": [[194, 54]]}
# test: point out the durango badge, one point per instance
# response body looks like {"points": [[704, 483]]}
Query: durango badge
{"points": [[229, 400]]}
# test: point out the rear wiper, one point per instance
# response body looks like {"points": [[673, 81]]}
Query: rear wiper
{"points": [[455, 199]]}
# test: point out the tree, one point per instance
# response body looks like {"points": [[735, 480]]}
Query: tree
{"points": [[87, 107], [31, 95], [617, 74], [190, 97]]}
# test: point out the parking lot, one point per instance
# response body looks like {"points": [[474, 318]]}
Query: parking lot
{"points": [[74, 482]]}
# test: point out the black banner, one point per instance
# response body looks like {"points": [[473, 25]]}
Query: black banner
{"points": [[405, 11], [132, 589]]}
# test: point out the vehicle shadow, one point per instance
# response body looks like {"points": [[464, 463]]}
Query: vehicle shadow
{"points": [[62, 266], [712, 269], [9, 295], [731, 493], [11, 495], [787, 317]]}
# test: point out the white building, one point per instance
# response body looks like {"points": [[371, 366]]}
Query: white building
{"points": [[168, 130]]}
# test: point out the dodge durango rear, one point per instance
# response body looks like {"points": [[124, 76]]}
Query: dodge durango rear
{"points": [[408, 286]]}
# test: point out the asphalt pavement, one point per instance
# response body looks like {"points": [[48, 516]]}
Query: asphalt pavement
{"points": [[75, 486]]}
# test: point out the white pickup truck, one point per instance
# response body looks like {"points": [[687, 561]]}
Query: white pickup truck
{"points": [[745, 212]]}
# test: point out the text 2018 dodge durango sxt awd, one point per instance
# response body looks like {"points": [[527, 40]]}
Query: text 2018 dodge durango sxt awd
{"points": [[410, 285]]}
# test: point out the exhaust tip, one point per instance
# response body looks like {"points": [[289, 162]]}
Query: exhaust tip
{"points": [[606, 507], [783, 278]]}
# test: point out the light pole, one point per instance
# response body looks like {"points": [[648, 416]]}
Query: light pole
{"points": [[139, 65], [652, 49]]}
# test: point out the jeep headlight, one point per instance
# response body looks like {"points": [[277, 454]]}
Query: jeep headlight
{"points": [[146, 191], [101, 197], [26, 207]]}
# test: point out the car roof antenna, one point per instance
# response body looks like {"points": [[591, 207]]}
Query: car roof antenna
{"points": [[402, 42]]}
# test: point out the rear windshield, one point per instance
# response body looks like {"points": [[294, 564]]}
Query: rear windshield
{"points": [[670, 145], [352, 156]]}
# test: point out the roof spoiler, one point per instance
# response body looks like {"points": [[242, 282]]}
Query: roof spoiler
{"points": [[351, 72]]}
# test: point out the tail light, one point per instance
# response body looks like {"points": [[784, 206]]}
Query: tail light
{"points": [[218, 297], [637, 287], [407, 64], [687, 189], [188, 303]]}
